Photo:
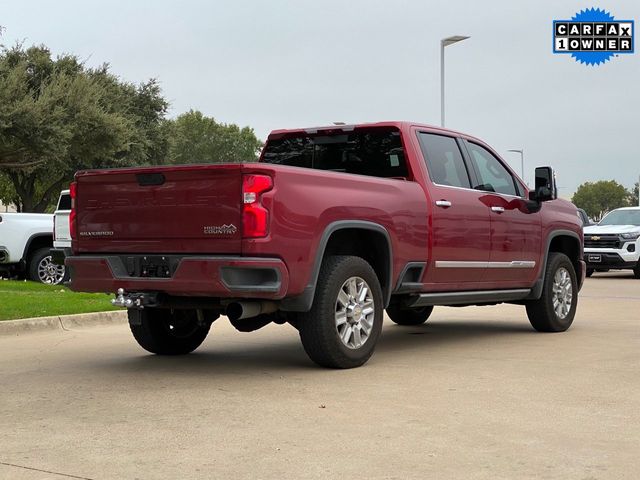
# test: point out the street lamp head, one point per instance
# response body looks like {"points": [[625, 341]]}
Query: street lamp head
{"points": [[445, 42], [516, 151]]}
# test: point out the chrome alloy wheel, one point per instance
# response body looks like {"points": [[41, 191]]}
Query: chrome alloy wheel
{"points": [[49, 272], [562, 293], [354, 313]]}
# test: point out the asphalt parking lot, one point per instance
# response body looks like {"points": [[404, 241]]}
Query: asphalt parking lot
{"points": [[473, 394]]}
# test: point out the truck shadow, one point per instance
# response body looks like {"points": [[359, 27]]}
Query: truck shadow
{"points": [[609, 275], [443, 333], [284, 353]]}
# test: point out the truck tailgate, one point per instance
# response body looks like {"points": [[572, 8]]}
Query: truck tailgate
{"points": [[178, 209]]}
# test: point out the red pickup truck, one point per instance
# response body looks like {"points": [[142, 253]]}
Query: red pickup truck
{"points": [[332, 226]]}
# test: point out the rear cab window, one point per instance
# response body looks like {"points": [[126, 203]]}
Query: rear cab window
{"points": [[376, 151], [64, 202]]}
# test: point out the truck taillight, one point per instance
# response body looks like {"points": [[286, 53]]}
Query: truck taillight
{"points": [[255, 217], [72, 214]]}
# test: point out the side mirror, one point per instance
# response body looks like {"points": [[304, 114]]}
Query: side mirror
{"points": [[545, 187]]}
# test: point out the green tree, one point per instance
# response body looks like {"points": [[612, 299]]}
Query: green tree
{"points": [[58, 116], [196, 138], [597, 198], [633, 195]]}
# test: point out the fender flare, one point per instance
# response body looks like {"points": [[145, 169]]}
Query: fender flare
{"points": [[303, 302], [30, 241], [536, 290]]}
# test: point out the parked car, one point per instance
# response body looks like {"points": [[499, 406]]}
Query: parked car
{"points": [[25, 247], [614, 243], [330, 228], [61, 231], [586, 221]]}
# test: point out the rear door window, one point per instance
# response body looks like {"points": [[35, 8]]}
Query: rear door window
{"points": [[444, 160], [376, 152]]}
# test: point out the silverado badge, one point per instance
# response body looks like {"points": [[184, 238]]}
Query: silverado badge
{"points": [[595, 238]]}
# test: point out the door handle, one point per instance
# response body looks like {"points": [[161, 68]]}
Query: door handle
{"points": [[497, 209], [443, 203]]}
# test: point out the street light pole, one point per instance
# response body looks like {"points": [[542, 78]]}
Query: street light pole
{"points": [[445, 42], [442, 83], [521, 152]]}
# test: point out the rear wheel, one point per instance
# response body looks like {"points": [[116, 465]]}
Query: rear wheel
{"points": [[168, 332], [555, 309], [636, 270], [43, 270], [345, 321], [409, 316]]}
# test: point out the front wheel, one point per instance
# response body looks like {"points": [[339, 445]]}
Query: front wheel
{"points": [[345, 320], [589, 272], [555, 309], [168, 332], [636, 270]]}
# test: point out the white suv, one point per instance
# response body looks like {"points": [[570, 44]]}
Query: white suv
{"points": [[614, 243]]}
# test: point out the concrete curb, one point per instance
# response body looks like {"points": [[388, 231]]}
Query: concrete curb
{"points": [[61, 322]]}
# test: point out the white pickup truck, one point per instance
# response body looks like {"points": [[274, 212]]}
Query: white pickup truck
{"points": [[25, 247]]}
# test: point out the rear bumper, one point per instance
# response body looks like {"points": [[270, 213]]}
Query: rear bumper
{"points": [[198, 276]]}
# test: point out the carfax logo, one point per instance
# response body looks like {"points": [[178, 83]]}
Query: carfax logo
{"points": [[593, 36]]}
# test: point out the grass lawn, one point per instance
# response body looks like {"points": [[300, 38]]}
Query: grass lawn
{"points": [[20, 299]]}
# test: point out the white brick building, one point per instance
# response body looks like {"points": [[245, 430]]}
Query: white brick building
{"points": [[6, 208]]}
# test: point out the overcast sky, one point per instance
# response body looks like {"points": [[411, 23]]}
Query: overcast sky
{"points": [[278, 64]]}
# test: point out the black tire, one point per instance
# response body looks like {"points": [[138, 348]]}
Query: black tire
{"points": [[589, 272], [42, 269], [636, 271], [541, 312], [409, 316], [319, 330], [166, 332]]}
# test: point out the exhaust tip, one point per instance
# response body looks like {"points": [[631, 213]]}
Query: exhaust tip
{"points": [[250, 309], [234, 311]]}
